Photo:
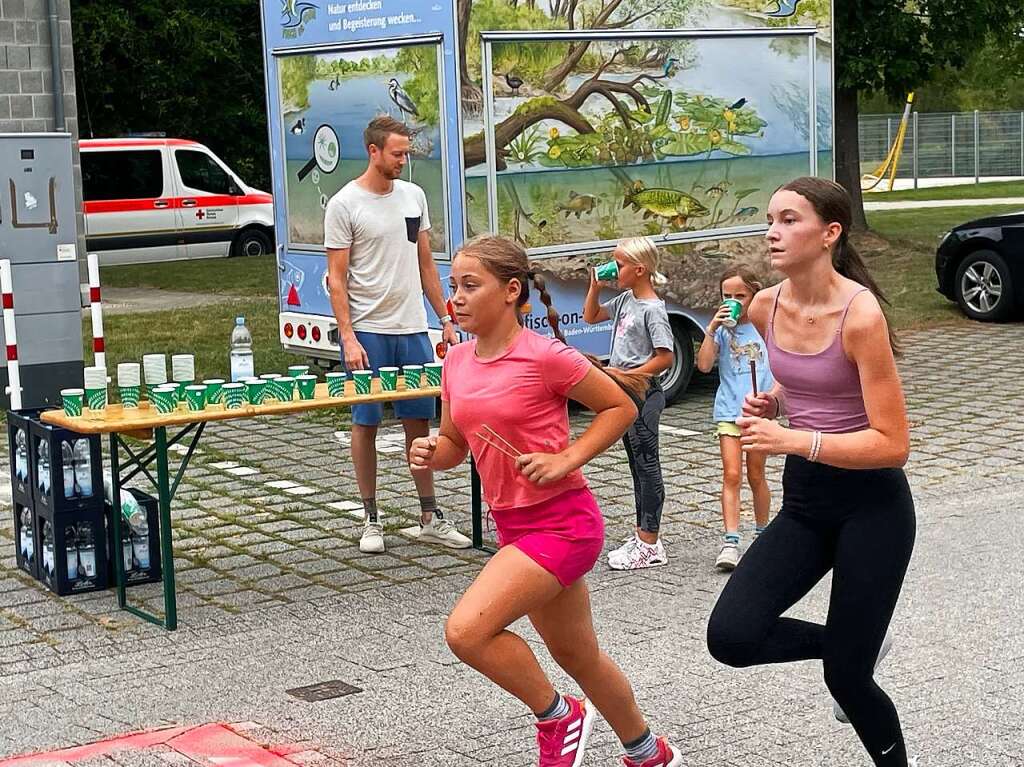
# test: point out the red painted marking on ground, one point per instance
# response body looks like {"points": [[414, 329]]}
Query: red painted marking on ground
{"points": [[215, 745]]}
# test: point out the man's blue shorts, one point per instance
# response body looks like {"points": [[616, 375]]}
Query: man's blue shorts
{"points": [[394, 351]]}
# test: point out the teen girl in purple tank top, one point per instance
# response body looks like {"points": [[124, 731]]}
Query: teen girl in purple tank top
{"points": [[846, 505]]}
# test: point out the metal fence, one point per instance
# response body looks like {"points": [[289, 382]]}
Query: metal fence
{"points": [[938, 145]]}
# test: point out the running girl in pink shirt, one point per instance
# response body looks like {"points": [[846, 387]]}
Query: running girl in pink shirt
{"points": [[504, 397]]}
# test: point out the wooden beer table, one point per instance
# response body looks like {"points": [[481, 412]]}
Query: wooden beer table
{"points": [[145, 423]]}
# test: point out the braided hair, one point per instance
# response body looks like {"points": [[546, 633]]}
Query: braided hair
{"points": [[507, 261]]}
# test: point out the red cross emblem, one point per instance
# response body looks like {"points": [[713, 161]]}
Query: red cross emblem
{"points": [[200, 215]]}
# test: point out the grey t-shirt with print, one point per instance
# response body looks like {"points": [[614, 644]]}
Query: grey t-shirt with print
{"points": [[639, 326]]}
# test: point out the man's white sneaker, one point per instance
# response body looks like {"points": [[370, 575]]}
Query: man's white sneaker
{"points": [[622, 553], [728, 558], [442, 531], [837, 710], [641, 556], [372, 541]]}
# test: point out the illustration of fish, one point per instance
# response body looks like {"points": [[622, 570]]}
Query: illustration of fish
{"points": [[667, 203], [579, 204], [719, 189], [745, 213]]}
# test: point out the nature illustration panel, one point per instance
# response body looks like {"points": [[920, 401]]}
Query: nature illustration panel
{"points": [[327, 101], [597, 139]]}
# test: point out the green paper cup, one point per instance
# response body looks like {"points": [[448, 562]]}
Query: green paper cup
{"points": [[182, 385], [362, 379], [233, 395], [388, 379], [607, 272], [129, 395], [735, 310], [164, 398], [271, 391], [306, 385], [336, 384], [214, 390], [256, 391], [96, 400], [413, 376], [433, 371], [297, 370], [195, 397], [72, 399], [285, 388]]}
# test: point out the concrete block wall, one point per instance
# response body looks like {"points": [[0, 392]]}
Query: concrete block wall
{"points": [[26, 81]]}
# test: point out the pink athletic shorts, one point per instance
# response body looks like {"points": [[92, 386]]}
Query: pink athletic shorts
{"points": [[564, 535]]}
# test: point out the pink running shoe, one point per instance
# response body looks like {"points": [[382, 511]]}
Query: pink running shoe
{"points": [[667, 756], [562, 741]]}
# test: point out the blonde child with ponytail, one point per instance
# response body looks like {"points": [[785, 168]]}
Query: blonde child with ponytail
{"points": [[642, 343]]}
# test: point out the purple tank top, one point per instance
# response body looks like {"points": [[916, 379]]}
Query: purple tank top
{"points": [[822, 390]]}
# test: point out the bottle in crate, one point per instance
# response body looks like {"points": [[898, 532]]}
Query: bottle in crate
{"points": [[25, 549], [74, 554], [68, 470]]}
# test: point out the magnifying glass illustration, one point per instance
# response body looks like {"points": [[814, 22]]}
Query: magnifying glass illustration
{"points": [[326, 152]]}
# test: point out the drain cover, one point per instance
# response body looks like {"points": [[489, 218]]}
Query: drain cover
{"points": [[334, 688]]}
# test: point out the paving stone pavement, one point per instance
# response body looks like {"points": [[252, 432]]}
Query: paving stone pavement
{"points": [[274, 595]]}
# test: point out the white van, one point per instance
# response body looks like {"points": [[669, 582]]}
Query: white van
{"points": [[162, 199]]}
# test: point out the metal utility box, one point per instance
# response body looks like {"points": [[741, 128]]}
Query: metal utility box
{"points": [[38, 234]]}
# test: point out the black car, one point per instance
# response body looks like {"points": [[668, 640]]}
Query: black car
{"points": [[980, 265]]}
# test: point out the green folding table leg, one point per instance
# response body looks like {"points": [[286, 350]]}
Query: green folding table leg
{"points": [[166, 535]]}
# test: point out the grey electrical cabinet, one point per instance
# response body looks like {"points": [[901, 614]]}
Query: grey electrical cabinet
{"points": [[38, 234]]}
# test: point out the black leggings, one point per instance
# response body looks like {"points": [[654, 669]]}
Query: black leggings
{"points": [[641, 443], [858, 523]]}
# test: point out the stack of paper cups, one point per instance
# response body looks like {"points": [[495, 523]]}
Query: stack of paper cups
{"points": [[128, 383], [155, 368], [96, 390], [183, 372]]}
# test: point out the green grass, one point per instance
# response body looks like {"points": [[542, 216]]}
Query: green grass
{"points": [[204, 332], [987, 190], [222, 276], [900, 252]]}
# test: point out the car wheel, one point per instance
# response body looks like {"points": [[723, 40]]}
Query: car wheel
{"points": [[251, 242], [984, 287], [675, 380]]}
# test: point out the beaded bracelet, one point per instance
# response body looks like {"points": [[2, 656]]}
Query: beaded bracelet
{"points": [[815, 447]]}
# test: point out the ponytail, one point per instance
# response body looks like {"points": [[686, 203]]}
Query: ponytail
{"points": [[633, 383], [848, 262]]}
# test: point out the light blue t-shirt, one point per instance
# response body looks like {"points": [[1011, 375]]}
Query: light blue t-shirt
{"points": [[736, 347]]}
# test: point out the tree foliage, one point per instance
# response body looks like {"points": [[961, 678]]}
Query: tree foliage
{"points": [[190, 68]]}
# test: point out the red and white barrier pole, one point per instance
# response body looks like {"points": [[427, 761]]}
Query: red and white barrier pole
{"points": [[10, 336], [97, 311]]}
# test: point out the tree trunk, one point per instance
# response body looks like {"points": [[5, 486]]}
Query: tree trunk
{"points": [[472, 96], [847, 152], [519, 121]]}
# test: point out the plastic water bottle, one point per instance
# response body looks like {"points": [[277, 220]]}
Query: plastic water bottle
{"points": [[71, 552], [21, 456], [68, 468], [83, 468], [242, 365], [44, 467], [132, 513], [28, 543], [47, 548], [140, 542]]}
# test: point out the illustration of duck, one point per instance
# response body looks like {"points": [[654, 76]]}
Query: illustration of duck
{"points": [[786, 9], [401, 98], [334, 84], [299, 127], [579, 204], [514, 83]]}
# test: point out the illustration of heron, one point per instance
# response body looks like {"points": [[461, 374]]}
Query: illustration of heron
{"points": [[786, 8], [401, 98], [513, 82]]}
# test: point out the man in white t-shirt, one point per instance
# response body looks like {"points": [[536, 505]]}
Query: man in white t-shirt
{"points": [[379, 268]]}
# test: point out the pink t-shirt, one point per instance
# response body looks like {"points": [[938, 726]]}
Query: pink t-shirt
{"points": [[521, 394]]}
